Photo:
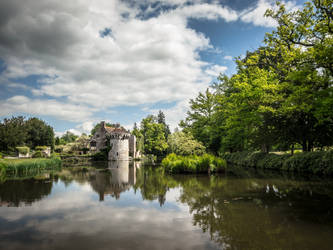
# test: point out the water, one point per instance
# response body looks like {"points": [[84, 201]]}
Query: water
{"points": [[137, 207]]}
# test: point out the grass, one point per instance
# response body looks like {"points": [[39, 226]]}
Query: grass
{"points": [[25, 165], [193, 164]]}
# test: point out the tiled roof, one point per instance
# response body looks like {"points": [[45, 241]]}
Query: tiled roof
{"points": [[115, 130]]}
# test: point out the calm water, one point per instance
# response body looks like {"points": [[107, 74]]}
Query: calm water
{"points": [[133, 207]]}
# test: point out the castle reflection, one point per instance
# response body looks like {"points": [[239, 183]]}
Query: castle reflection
{"points": [[119, 177]]}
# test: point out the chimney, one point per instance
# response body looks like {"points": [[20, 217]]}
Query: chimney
{"points": [[103, 124]]}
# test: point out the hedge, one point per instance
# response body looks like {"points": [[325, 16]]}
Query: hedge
{"points": [[319, 162]]}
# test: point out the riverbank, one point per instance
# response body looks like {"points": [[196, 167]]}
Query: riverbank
{"points": [[23, 165], [320, 162]]}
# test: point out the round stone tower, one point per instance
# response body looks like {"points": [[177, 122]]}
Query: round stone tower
{"points": [[119, 145]]}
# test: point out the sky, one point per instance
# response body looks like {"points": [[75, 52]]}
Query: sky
{"points": [[76, 63]]}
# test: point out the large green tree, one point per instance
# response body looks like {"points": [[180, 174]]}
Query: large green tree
{"points": [[39, 133], [281, 94]]}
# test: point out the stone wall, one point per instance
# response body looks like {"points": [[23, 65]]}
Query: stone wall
{"points": [[132, 146], [119, 149]]}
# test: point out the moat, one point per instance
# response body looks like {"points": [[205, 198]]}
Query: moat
{"points": [[128, 206]]}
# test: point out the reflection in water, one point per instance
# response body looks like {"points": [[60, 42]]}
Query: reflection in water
{"points": [[144, 208], [119, 177]]}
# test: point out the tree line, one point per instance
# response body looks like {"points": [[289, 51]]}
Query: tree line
{"points": [[281, 95], [18, 131]]}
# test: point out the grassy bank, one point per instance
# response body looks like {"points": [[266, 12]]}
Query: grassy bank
{"points": [[320, 162], [25, 165], [193, 164]]}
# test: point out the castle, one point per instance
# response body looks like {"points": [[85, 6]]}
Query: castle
{"points": [[121, 142]]}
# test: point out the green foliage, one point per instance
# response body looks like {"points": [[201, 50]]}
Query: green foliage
{"points": [[101, 155], [200, 119], [320, 162], [38, 154], [282, 92], [39, 133], [153, 133], [69, 137], [182, 143], [23, 150], [23, 165], [193, 164], [314, 162], [17, 131], [40, 148]]}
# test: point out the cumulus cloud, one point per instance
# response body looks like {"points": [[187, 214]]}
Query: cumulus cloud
{"points": [[227, 57], [65, 111], [256, 15], [215, 70], [138, 61]]}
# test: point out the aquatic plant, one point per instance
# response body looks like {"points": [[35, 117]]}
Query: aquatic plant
{"points": [[193, 164], [25, 165]]}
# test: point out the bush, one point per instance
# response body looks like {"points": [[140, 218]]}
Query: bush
{"points": [[41, 148], [320, 162], [100, 156], [23, 150], [193, 164], [38, 154]]}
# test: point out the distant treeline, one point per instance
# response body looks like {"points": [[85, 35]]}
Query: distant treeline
{"points": [[18, 131], [281, 96]]}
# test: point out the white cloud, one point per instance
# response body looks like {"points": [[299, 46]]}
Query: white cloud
{"points": [[227, 58], [216, 70], [65, 111], [143, 60], [256, 15]]}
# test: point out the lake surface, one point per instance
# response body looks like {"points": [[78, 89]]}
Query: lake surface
{"points": [[128, 206]]}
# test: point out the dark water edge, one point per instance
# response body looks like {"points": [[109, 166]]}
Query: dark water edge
{"points": [[131, 206]]}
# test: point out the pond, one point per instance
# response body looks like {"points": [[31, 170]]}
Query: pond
{"points": [[128, 206]]}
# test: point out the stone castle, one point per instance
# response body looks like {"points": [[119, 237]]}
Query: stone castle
{"points": [[121, 142]]}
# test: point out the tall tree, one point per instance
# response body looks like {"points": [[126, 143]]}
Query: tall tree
{"points": [[12, 133], [39, 133], [161, 120]]}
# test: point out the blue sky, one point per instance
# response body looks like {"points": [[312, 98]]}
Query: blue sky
{"points": [[75, 63]]}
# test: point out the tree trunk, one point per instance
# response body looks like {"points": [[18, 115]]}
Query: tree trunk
{"points": [[292, 149]]}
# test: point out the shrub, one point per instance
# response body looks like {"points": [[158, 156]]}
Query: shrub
{"points": [[41, 148], [319, 162], [38, 154], [193, 164], [23, 150], [100, 156]]}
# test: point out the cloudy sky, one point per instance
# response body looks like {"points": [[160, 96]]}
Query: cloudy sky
{"points": [[75, 63]]}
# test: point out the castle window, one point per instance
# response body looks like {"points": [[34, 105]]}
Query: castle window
{"points": [[97, 135]]}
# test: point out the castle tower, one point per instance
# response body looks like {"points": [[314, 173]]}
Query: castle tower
{"points": [[119, 142]]}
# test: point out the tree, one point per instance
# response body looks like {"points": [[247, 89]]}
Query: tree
{"points": [[154, 141], [281, 94], [182, 143], [161, 120], [12, 133], [199, 120], [69, 137], [139, 138], [39, 133]]}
